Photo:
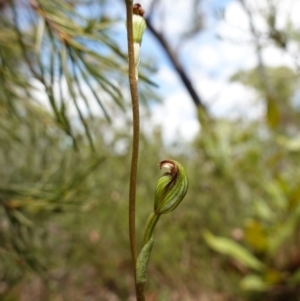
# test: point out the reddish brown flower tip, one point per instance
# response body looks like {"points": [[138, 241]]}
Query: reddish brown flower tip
{"points": [[138, 10], [170, 165]]}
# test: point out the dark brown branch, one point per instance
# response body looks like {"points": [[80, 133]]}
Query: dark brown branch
{"points": [[177, 65]]}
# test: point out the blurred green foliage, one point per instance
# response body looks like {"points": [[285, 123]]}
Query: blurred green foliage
{"points": [[284, 81], [264, 168], [63, 213]]}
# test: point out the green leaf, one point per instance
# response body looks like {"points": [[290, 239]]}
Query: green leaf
{"points": [[228, 247], [142, 261], [277, 195], [254, 283], [263, 211], [292, 145]]}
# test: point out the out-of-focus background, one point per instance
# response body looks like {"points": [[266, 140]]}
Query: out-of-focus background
{"points": [[220, 93]]}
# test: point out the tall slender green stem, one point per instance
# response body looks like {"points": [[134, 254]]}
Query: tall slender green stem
{"points": [[135, 141]]}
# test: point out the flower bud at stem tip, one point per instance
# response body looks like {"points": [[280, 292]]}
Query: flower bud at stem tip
{"points": [[171, 187]]}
